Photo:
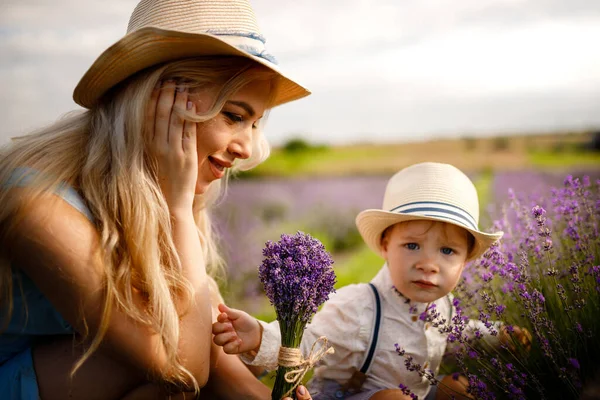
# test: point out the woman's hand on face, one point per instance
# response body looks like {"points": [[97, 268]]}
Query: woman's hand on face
{"points": [[172, 142]]}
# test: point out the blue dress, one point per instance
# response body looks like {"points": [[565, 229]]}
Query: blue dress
{"points": [[27, 324]]}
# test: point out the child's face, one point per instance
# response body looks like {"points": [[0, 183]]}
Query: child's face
{"points": [[425, 258]]}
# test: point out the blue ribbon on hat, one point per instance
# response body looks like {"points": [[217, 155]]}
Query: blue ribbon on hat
{"points": [[246, 48], [442, 210]]}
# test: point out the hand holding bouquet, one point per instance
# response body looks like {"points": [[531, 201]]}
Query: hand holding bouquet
{"points": [[297, 277]]}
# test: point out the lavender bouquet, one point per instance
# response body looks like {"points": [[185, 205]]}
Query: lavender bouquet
{"points": [[297, 277]]}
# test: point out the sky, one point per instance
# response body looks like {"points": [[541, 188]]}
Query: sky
{"points": [[380, 70]]}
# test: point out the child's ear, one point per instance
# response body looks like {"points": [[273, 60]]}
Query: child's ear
{"points": [[384, 245]]}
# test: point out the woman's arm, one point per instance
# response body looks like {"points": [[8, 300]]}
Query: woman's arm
{"points": [[59, 249], [230, 369]]}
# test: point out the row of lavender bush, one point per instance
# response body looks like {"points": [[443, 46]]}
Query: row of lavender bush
{"points": [[543, 276]]}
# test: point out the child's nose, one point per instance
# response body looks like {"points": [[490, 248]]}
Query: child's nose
{"points": [[427, 264]]}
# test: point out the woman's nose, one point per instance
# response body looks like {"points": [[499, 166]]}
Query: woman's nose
{"points": [[241, 144]]}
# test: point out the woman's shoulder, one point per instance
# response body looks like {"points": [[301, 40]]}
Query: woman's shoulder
{"points": [[21, 179]]}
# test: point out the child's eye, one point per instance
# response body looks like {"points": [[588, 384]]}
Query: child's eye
{"points": [[233, 117], [412, 246], [447, 251]]}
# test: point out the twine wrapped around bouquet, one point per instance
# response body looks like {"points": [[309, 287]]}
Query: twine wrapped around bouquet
{"points": [[297, 277], [292, 357]]}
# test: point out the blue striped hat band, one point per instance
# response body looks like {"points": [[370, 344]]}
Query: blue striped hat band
{"points": [[434, 209]]}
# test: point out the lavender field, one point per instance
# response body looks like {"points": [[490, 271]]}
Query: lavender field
{"points": [[254, 211]]}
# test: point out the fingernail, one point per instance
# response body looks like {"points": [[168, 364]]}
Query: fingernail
{"points": [[181, 89], [301, 390], [189, 105]]}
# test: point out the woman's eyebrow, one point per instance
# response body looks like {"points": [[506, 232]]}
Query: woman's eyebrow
{"points": [[244, 105]]}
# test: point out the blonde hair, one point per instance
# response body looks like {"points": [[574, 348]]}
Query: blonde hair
{"points": [[102, 153]]}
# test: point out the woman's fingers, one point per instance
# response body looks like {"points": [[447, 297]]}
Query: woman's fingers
{"points": [[189, 132], [164, 108], [173, 144], [151, 112], [301, 394], [176, 121]]}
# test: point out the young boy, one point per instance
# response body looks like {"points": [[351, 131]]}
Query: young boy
{"points": [[426, 232]]}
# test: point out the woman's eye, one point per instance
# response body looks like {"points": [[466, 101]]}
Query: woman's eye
{"points": [[412, 246], [233, 117], [447, 251]]}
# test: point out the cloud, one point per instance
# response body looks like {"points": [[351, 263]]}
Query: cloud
{"points": [[378, 70], [384, 114]]}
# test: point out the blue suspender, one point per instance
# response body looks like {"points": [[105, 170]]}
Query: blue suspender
{"points": [[375, 334], [377, 325]]}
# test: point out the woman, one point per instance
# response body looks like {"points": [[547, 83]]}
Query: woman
{"points": [[106, 238]]}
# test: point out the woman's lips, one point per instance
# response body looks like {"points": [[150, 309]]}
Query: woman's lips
{"points": [[218, 167]]}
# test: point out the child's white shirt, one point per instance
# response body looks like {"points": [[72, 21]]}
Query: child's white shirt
{"points": [[347, 320]]}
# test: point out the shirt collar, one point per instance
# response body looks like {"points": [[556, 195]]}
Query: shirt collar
{"points": [[399, 303]]}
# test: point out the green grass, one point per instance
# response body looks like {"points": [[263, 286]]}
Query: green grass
{"points": [[563, 159], [483, 184], [322, 161], [359, 266]]}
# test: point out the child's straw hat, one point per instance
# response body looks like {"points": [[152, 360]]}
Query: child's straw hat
{"points": [[427, 191], [165, 30]]}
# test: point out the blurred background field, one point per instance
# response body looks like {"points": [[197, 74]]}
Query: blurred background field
{"points": [[320, 189]]}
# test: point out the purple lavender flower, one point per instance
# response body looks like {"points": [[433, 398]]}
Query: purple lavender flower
{"points": [[297, 276], [538, 212], [574, 363], [543, 276]]}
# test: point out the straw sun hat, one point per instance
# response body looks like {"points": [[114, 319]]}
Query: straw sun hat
{"points": [[165, 30], [427, 191]]}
